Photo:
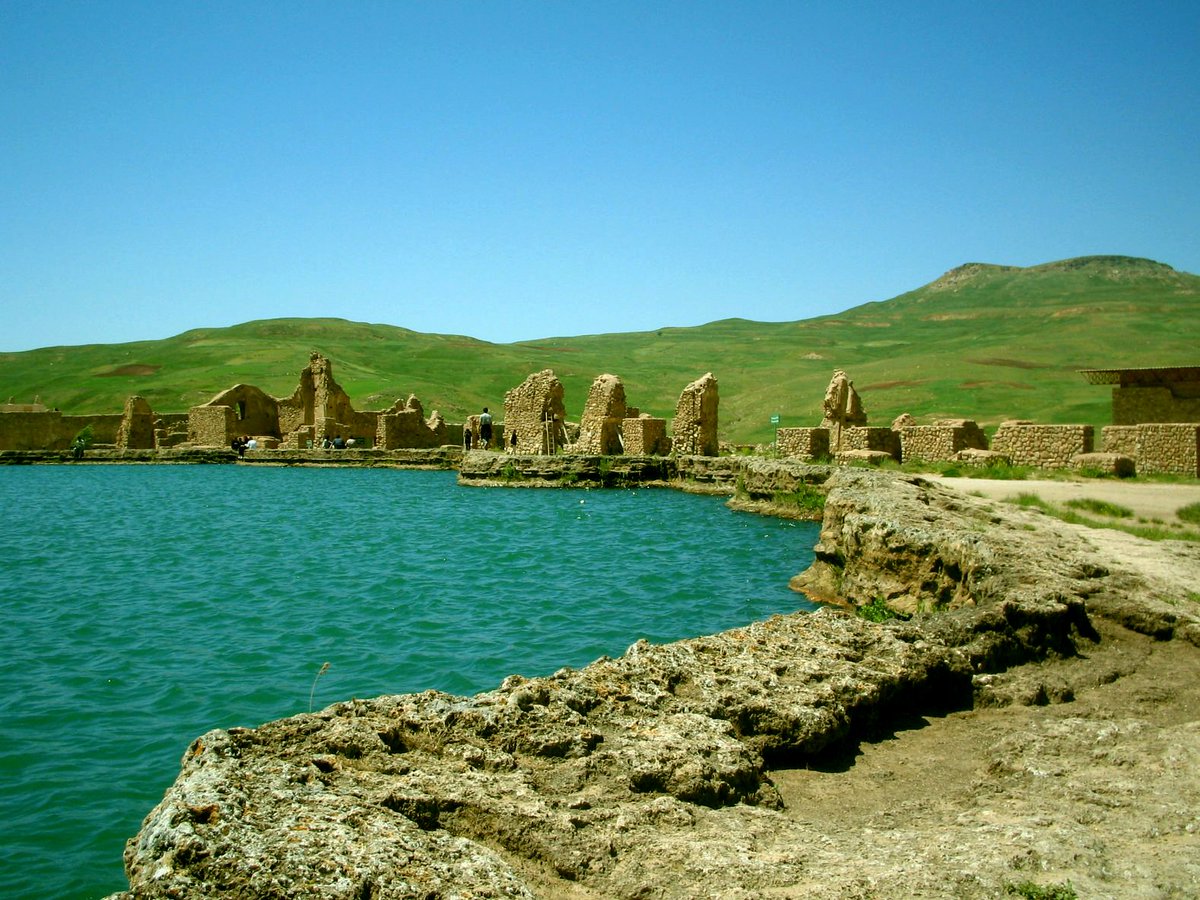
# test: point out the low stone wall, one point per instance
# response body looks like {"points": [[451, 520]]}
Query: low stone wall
{"points": [[1120, 439], [863, 437], [941, 441], [1169, 449], [803, 443], [1044, 446]]}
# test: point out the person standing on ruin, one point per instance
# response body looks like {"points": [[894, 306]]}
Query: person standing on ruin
{"points": [[485, 428]]}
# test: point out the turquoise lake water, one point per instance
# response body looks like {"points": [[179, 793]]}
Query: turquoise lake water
{"points": [[143, 606]]}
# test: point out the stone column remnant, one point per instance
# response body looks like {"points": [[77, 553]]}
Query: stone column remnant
{"points": [[843, 409], [600, 427], [695, 424]]}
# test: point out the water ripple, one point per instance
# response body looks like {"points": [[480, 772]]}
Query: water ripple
{"points": [[144, 606]]}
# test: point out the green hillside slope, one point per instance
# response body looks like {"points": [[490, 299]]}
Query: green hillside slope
{"points": [[983, 341]]}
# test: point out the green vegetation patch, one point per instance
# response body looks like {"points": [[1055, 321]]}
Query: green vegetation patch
{"points": [[1149, 532], [878, 611], [1189, 513], [1032, 891], [1100, 508]]}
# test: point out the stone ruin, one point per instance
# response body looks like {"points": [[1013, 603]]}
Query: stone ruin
{"points": [[1147, 447], [534, 413], [610, 427], [843, 409], [603, 413], [318, 409], [695, 424]]}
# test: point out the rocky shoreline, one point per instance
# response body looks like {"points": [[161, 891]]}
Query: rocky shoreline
{"points": [[686, 769]]}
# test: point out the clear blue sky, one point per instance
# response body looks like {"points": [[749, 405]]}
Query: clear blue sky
{"points": [[517, 170]]}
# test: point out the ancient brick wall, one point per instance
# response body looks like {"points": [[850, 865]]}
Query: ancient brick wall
{"points": [[863, 437], [603, 413], [646, 436], [803, 443], [534, 411], [211, 426], [940, 441], [1045, 446], [694, 428]]}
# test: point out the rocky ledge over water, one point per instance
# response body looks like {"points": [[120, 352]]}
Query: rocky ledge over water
{"points": [[1032, 721]]}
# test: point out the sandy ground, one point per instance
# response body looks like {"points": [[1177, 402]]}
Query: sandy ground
{"points": [[1091, 777]]}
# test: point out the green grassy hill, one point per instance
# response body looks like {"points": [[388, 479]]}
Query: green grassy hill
{"points": [[983, 341]]}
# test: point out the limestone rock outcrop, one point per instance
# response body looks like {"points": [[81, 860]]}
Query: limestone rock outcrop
{"points": [[647, 775]]}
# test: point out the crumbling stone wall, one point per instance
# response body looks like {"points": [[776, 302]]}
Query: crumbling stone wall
{"points": [[137, 426], [695, 425], [1045, 446], [603, 415], [254, 413], [534, 410], [646, 436], [405, 426], [941, 441], [803, 443]]}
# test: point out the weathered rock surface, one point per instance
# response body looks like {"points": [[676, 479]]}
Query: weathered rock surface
{"points": [[683, 770]]}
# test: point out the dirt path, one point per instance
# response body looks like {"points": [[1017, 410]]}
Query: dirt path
{"points": [[1149, 501]]}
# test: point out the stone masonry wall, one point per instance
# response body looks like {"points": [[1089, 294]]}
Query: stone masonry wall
{"points": [[600, 425], [871, 438], [137, 426], [211, 426], [51, 430], [1173, 449], [1137, 405], [940, 441], [534, 410], [695, 425], [803, 443], [1045, 446], [646, 436], [1120, 439]]}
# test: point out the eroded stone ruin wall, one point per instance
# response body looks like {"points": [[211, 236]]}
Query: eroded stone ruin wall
{"points": [[136, 431], [842, 410], [603, 413], [695, 425], [1045, 446], [534, 410]]}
